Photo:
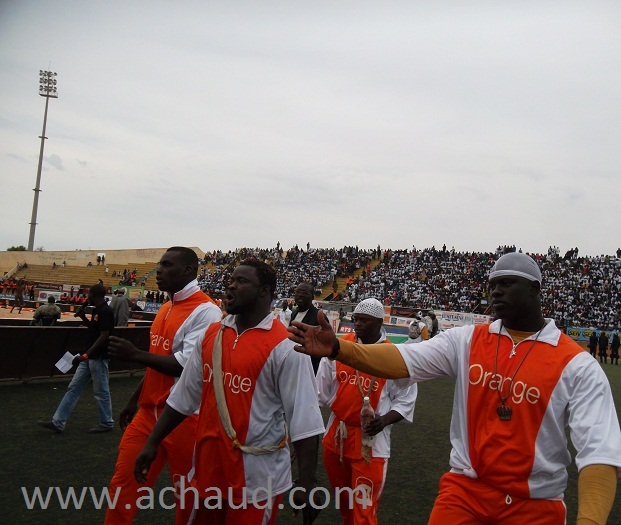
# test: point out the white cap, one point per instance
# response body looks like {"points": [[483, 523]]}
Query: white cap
{"points": [[370, 307], [517, 264]]}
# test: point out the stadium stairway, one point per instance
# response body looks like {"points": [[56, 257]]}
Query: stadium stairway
{"points": [[85, 275], [327, 292]]}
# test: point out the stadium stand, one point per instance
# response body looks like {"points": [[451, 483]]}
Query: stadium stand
{"points": [[583, 291]]}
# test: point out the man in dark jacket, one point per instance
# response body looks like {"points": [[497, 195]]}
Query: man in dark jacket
{"points": [[614, 349], [305, 311], [593, 344], [603, 347]]}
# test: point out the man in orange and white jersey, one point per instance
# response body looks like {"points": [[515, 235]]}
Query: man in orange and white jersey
{"points": [[342, 388], [255, 394], [519, 383], [178, 327]]}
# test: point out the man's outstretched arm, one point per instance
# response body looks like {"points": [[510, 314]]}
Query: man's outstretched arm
{"points": [[381, 360], [597, 486]]}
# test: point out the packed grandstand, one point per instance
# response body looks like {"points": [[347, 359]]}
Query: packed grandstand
{"points": [[577, 290], [583, 291]]}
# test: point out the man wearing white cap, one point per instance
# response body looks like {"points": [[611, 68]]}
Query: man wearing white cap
{"points": [[519, 383], [349, 462]]}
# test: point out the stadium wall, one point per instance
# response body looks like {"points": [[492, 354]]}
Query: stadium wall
{"points": [[31, 352]]}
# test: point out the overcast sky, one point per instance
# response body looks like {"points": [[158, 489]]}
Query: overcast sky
{"points": [[226, 124]]}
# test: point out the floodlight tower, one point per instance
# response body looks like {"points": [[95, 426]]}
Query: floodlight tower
{"points": [[47, 89]]}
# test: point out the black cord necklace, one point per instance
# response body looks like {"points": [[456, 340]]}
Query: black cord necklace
{"points": [[504, 411]]}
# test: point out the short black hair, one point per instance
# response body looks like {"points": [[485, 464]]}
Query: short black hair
{"points": [[188, 256], [267, 274], [306, 284], [97, 290], [51, 299]]}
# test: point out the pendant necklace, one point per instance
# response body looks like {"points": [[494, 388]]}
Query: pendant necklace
{"points": [[505, 411]]}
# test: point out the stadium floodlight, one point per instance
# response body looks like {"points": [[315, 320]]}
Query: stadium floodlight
{"points": [[47, 89]]}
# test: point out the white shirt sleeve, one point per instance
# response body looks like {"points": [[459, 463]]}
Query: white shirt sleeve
{"points": [[436, 357], [193, 330], [298, 392], [326, 382], [593, 422], [402, 400], [185, 396]]}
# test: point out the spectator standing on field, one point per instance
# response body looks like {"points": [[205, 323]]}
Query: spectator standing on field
{"points": [[285, 314], [603, 347], [593, 341], [434, 324], [614, 348], [305, 311], [417, 331], [121, 306], [428, 323], [92, 365]]}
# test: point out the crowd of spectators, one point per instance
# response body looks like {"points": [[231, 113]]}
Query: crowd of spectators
{"points": [[126, 277], [583, 291], [318, 267], [425, 279], [77, 298], [577, 290]]}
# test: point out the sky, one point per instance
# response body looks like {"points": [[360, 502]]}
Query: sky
{"points": [[228, 124]]}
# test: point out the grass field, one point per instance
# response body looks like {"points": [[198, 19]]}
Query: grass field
{"points": [[32, 456]]}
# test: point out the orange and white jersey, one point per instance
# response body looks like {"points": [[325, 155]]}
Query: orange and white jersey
{"points": [[557, 385], [338, 388], [266, 384], [178, 326]]}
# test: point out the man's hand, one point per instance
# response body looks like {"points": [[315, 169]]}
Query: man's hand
{"points": [[169, 420], [316, 341], [375, 426], [127, 414], [122, 349], [143, 462], [78, 359], [81, 312]]}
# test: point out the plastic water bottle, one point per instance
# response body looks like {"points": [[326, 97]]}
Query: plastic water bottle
{"points": [[367, 414]]}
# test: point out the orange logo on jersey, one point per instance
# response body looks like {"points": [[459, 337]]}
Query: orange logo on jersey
{"points": [[365, 382], [159, 340], [234, 382], [520, 391]]}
